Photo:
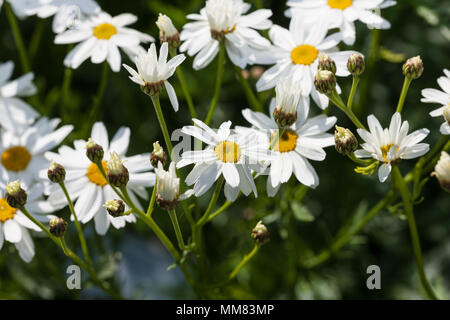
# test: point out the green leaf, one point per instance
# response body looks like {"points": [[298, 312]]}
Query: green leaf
{"points": [[301, 213]]}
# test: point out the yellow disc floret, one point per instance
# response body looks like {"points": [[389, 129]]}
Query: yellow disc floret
{"points": [[286, 143], [304, 54], [228, 151], [340, 4], [95, 176], [104, 31], [16, 158], [6, 212]]}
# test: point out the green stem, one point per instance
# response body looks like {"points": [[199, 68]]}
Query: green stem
{"points": [[219, 78], [36, 39], [251, 98], [359, 161], [352, 92], [212, 202], [162, 123], [219, 211], [402, 187], [246, 259], [151, 205], [65, 89], [405, 88], [99, 96], [336, 99], [184, 87], [17, 38], [176, 227], [77, 224]]}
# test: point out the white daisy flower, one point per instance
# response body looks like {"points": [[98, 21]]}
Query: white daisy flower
{"points": [[16, 113], [296, 56], [392, 144], [227, 154], [442, 98], [342, 14], [225, 20], [88, 187], [22, 155], [66, 12], [14, 224], [299, 143], [101, 36], [152, 73]]}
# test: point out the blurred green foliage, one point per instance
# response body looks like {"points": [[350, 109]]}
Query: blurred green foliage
{"points": [[298, 229]]}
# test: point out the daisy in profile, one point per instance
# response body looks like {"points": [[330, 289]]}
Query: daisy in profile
{"points": [[87, 186], [100, 38], [442, 98], [341, 14], [22, 155], [227, 154], [66, 13], [14, 225], [152, 72], [225, 20], [392, 144], [296, 54], [16, 114], [301, 142]]}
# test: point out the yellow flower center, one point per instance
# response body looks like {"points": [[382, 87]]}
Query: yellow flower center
{"points": [[16, 158], [304, 54], [104, 31], [95, 176], [286, 143], [228, 151], [6, 212], [340, 4], [385, 150]]}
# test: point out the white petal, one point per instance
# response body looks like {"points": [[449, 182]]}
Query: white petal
{"points": [[172, 95], [384, 171], [12, 230]]}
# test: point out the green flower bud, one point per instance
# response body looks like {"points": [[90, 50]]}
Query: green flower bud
{"points": [[356, 64], [94, 151], [56, 173], [115, 207], [15, 196], [158, 155], [325, 81], [260, 234], [413, 68], [326, 63], [117, 173], [345, 141], [58, 227]]}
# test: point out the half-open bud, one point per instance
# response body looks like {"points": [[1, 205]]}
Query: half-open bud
{"points": [[94, 151], [345, 141], [325, 81], [115, 207], [15, 196], [167, 31], [260, 234], [117, 173], [287, 99], [413, 68], [167, 187], [326, 63], [56, 172], [356, 64], [158, 155], [58, 227], [442, 171]]}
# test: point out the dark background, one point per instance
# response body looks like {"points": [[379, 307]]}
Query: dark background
{"points": [[135, 260]]}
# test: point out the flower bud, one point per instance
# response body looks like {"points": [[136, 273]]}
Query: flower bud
{"points": [[15, 196], [345, 141], [167, 31], [94, 151], [117, 173], [260, 234], [287, 99], [413, 68], [356, 64], [442, 171], [58, 227], [326, 63], [167, 187], [158, 155], [447, 114], [115, 207], [56, 173], [325, 81]]}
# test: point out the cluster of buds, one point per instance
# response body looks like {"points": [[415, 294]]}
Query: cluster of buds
{"points": [[442, 171], [56, 173], [325, 82], [287, 99], [356, 64], [326, 63], [94, 151], [345, 141], [158, 155], [167, 31], [117, 173], [58, 227], [413, 68], [115, 208], [260, 234], [15, 196]]}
